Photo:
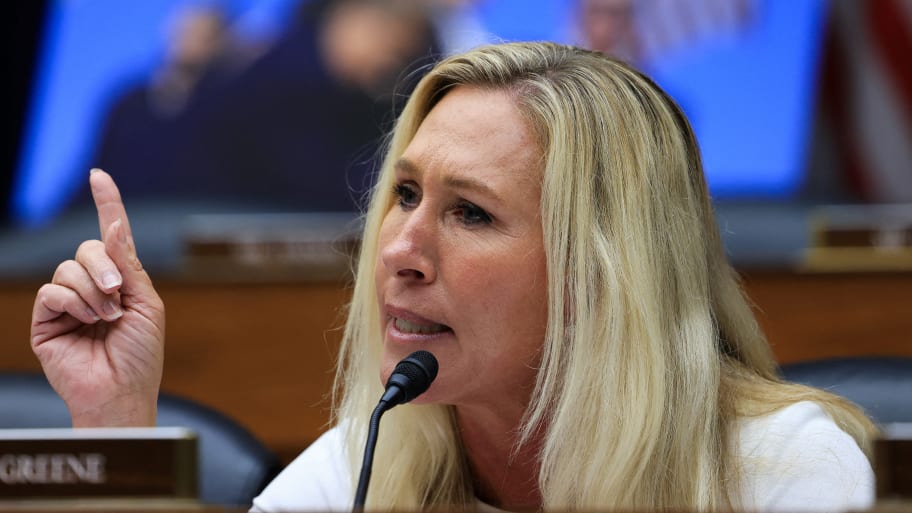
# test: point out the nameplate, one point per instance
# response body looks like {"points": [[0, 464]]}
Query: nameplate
{"points": [[893, 462], [307, 246], [98, 463], [860, 238]]}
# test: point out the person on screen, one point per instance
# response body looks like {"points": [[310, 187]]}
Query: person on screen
{"points": [[146, 128], [608, 26], [300, 129], [635, 31], [541, 224], [307, 109]]}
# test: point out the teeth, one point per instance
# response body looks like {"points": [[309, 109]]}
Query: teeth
{"points": [[410, 327]]}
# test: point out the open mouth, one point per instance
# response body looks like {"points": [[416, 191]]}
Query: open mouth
{"points": [[424, 329]]}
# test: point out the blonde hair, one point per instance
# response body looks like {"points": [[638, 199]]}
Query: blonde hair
{"points": [[651, 350]]}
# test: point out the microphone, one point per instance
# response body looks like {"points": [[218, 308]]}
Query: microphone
{"points": [[411, 377]]}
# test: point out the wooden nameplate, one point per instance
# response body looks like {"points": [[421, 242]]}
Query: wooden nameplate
{"points": [[93, 463], [860, 238], [893, 464]]}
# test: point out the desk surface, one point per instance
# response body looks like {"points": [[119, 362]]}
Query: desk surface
{"points": [[67, 507], [113, 505]]}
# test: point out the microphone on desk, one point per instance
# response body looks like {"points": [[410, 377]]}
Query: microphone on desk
{"points": [[411, 377]]}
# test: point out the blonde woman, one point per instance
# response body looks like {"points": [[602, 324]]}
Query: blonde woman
{"points": [[540, 224]]}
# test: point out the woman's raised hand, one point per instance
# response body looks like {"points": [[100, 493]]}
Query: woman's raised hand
{"points": [[99, 327]]}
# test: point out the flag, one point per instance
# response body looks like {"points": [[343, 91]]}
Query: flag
{"points": [[866, 97]]}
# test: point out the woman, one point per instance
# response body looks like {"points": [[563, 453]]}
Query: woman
{"points": [[540, 224]]}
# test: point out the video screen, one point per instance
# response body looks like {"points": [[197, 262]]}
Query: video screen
{"points": [[249, 103]]}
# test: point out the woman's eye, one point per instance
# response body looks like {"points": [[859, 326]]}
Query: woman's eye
{"points": [[405, 195], [471, 214]]}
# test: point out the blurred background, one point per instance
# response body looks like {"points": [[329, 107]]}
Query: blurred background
{"points": [[279, 107], [245, 134]]}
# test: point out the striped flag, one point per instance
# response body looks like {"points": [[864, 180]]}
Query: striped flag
{"points": [[867, 97]]}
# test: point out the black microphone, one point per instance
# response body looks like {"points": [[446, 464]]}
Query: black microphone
{"points": [[411, 377]]}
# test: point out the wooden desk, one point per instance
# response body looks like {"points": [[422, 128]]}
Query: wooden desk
{"points": [[116, 505], [165, 507], [263, 353], [810, 316]]}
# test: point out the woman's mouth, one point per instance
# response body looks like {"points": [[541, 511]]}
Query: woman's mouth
{"points": [[423, 329]]}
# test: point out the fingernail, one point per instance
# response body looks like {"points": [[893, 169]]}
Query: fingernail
{"points": [[92, 314], [110, 280], [94, 170], [111, 310]]}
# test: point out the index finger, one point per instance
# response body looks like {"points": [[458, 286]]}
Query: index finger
{"points": [[107, 201]]}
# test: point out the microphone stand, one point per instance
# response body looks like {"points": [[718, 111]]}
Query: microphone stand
{"points": [[366, 466], [411, 377]]}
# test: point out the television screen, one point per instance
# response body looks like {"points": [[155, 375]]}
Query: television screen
{"points": [[745, 75], [237, 106]]}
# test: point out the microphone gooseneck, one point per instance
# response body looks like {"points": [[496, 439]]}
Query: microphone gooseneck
{"points": [[411, 377]]}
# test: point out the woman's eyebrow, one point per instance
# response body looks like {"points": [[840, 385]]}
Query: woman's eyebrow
{"points": [[408, 167], [470, 184]]}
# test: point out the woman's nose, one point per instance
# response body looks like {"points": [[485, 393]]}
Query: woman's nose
{"points": [[410, 251]]}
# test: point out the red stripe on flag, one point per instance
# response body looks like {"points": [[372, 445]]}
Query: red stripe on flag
{"points": [[890, 30], [836, 95]]}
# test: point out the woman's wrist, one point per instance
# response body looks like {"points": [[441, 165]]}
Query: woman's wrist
{"points": [[117, 414]]}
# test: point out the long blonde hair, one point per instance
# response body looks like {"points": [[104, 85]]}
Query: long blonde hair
{"points": [[651, 349]]}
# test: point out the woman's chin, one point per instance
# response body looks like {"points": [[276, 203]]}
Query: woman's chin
{"points": [[426, 398]]}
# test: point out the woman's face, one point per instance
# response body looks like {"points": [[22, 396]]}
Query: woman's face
{"points": [[461, 265]]}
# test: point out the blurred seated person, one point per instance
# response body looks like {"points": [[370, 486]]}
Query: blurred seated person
{"points": [[299, 128], [635, 31], [145, 131], [542, 225], [609, 26]]}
